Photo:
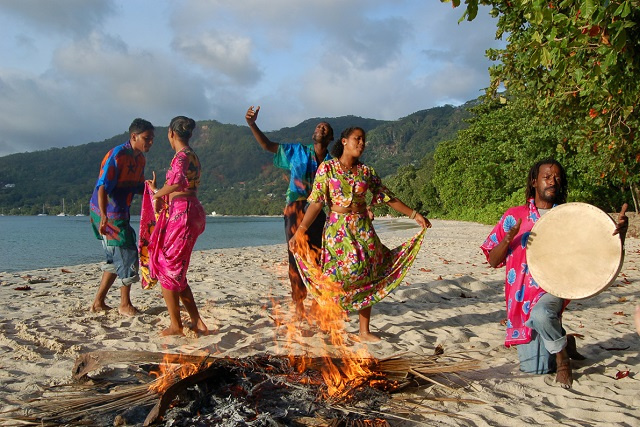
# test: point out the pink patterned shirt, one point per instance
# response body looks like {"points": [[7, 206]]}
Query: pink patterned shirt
{"points": [[521, 291], [185, 170]]}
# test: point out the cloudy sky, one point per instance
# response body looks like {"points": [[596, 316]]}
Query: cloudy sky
{"points": [[77, 71]]}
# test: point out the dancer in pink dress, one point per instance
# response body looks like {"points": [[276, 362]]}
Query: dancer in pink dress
{"points": [[181, 219]]}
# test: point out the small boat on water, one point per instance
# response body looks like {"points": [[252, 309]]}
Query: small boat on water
{"points": [[43, 213], [62, 213]]}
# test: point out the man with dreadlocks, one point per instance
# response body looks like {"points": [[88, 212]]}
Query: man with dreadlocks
{"points": [[534, 317]]}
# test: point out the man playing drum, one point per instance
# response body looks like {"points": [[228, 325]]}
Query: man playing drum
{"points": [[534, 317]]}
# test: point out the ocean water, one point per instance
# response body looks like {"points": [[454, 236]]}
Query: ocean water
{"points": [[32, 242]]}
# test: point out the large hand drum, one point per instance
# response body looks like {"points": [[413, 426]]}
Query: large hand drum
{"points": [[572, 252]]}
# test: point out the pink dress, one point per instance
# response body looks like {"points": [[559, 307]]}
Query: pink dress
{"points": [[177, 228]]}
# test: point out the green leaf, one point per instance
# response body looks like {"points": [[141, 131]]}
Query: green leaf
{"points": [[545, 57], [589, 8], [611, 59], [472, 11], [537, 37], [534, 61], [626, 10], [619, 39], [619, 10]]}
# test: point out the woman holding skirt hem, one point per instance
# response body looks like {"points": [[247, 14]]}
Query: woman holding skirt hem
{"points": [[353, 258]]}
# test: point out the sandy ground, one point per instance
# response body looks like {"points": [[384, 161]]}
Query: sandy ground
{"points": [[451, 297]]}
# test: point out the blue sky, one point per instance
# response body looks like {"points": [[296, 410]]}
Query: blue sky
{"points": [[77, 71]]}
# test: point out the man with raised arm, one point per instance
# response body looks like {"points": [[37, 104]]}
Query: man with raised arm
{"points": [[302, 161]]}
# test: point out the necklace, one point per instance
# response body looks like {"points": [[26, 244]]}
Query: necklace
{"points": [[348, 168]]}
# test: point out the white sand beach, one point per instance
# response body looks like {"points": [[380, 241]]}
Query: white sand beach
{"points": [[450, 297]]}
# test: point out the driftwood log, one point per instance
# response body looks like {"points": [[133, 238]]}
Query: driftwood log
{"points": [[170, 393], [89, 362]]}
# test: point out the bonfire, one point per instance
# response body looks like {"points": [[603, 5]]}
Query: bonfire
{"points": [[342, 385]]}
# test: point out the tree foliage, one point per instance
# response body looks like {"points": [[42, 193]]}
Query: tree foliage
{"points": [[483, 171], [575, 64]]}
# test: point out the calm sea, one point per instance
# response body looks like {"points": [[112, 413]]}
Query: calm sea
{"points": [[32, 242]]}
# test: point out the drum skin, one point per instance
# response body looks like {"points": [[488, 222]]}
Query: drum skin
{"points": [[572, 252]]}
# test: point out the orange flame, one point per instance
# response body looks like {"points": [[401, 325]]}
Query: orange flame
{"points": [[173, 368], [355, 364]]}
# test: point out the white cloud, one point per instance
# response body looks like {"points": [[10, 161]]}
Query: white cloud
{"points": [[224, 53], [65, 16], [79, 71]]}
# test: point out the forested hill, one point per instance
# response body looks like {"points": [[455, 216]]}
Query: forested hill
{"points": [[238, 176]]}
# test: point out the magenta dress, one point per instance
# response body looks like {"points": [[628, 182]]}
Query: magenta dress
{"points": [[178, 227]]}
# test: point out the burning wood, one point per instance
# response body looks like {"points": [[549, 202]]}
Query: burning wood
{"points": [[256, 390]]}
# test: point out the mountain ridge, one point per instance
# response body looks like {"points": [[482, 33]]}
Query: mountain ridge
{"points": [[238, 177]]}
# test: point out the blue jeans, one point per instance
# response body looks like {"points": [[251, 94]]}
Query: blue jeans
{"points": [[548, 336], [122, 261]]}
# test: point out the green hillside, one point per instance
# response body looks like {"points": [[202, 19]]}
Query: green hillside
{"points": [[238, 176]]}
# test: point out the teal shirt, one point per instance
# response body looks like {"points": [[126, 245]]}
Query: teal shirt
{"points": [[300, 160]]}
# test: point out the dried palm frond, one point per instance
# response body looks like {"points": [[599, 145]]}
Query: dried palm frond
{"points": [[85, 402]]}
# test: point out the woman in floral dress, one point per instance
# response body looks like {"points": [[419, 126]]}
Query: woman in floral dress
{"points": [[353, 257]]}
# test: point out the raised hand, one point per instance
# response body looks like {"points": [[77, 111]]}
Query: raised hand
{"points": [[152, 181], [252, 115], [623, 222]]}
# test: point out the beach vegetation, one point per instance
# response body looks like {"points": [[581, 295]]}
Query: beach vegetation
{"points": [[574, 67]]}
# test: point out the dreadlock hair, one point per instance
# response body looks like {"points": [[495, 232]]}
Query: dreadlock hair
{"points": [[530, 191]]}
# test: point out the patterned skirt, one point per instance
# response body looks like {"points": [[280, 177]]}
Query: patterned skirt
{"points": [[166, 246], [356, 269]]}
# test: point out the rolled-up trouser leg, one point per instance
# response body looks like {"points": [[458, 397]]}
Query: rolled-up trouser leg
{"points": [[548, 336]]}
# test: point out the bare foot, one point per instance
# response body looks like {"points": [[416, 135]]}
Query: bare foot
{"points": [[200, 328], [171, 331], [99, 306], [563, 371], [369, 337], [128, 310]]}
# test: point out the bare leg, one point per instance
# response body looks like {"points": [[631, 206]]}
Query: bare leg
{"points": [[637, 318], [197, 325], [105, 284], [364, 316], [126, 308], [172, 299], [563, 370]]}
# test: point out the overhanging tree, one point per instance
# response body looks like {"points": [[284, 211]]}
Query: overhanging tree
{"points": [[575, 64]]}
